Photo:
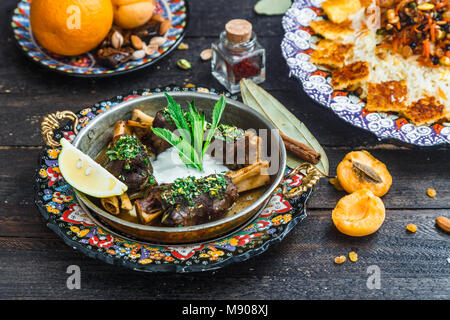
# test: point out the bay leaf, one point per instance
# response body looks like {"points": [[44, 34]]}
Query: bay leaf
{"points": [[263, 102], [272, 7]]}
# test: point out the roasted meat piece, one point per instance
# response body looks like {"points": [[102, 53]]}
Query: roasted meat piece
{"points": [[162, 120], [236, 151], [204, 208], [189, 201], [130, 163]]}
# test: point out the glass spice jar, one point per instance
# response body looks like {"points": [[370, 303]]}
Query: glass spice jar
{"points": [[238, 55]]}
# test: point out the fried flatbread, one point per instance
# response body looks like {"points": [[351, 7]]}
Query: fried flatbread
{"points": [[350, 76], [387, 96], [331, 54], [339, 10], [425, 111], [330, 30]]}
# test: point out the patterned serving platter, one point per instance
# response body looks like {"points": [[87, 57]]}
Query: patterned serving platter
{"points": [[56, 201], [86, 65], [298, 44]]}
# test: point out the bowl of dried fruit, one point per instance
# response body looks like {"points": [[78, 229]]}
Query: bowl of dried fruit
{"points": [[128, 46]]}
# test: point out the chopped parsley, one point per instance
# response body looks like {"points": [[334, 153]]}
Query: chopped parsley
{"points": [[126, 149], [228, 133], [189, 188]]}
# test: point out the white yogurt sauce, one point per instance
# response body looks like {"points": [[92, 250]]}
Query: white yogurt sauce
{"points": [[168, 167]]}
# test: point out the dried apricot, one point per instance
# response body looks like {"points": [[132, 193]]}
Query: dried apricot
{"points": [[360, 170], [359, 214]]}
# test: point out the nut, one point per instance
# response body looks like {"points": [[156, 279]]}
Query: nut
{"points": [[159, 41], [184, 64], [117, 40], [137, 42], [206, 54], [183, 46], [340, 259], [150, 49], [443, 223], [138, 54], [165, 26]]}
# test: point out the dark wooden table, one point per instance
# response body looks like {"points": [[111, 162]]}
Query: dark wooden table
{"points": [[33, 260]]}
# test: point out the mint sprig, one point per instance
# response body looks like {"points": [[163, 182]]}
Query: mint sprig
{"points": [[191, 143]]}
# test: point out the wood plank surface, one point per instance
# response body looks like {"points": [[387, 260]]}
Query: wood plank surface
{"points": [[33, 260]]}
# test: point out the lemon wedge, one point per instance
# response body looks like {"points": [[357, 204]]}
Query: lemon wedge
{"points": [[86, 175]]}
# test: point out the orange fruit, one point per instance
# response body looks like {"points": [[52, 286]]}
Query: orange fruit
{"points": [[71, 27], [360, 170], [359, 214], [129, 14]]}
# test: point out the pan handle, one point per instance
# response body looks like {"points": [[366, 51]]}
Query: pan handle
{"points": [[312, 176], [51, 122]]}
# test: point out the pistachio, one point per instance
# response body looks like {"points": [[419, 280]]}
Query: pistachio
{"points": [[206, 54], [150, 49], [138, 54], [159, 41], [165, 26], [183, 46], [117, 40], [137, 42], [184, 64]]}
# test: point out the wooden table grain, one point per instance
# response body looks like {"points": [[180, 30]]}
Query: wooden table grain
{"points": [[33, 260]]}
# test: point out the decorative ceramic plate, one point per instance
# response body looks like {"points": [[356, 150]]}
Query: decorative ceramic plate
{"points": [[298, 44], [66, 217], [86, 65]]}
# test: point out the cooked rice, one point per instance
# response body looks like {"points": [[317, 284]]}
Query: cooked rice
{"points": [[421, 81]]}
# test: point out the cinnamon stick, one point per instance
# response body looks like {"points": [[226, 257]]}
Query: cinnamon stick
{"points": [[300, 150]]}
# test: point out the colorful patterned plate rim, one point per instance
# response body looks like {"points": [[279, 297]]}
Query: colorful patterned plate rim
{"points": [[298, 44], [85, 65], [56, 201]]}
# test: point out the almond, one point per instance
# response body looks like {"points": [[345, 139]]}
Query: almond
{"points": [[159, 41], [139, 54], [150, 49], [137, 42], [443, 223], [165, 26], [206, 54]]}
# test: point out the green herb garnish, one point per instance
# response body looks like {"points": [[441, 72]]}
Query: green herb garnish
{"points": [[189, 188], [126, 148], [191, 143], [228, 133]]}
